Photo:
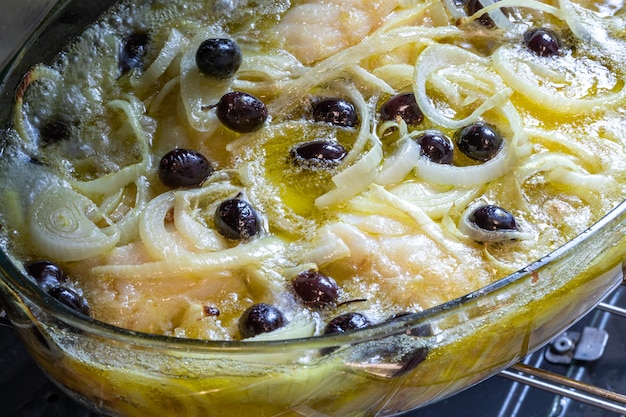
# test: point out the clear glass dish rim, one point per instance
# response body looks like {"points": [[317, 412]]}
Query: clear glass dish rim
{"points": [[19, 283]]}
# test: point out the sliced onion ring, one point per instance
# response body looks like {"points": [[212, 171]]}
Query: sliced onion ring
{"points": [[437, 57], [505, 62], [61, 229], [174, 45], [495, 13], [397, 166], [160, 242], [466, 176]]}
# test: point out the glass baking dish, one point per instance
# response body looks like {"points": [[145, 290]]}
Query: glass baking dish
{"points": [[382, 370]]}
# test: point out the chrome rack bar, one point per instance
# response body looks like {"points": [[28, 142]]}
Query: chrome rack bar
{"points": [[567, 387], [618, 311]]}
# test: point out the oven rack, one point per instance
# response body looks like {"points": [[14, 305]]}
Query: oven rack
{"points": [[567, 387]]}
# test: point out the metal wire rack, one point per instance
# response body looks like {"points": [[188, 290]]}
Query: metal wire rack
{"points": [[568, 387]]}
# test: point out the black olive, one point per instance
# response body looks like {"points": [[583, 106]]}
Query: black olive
{"points": [[241, 112], [319, 153], [218, 57], [237, 219], [473, 6], [47, 274], [70, 298], [184, 168], [55, 131], [336, 111], [403, 106], [315, 289], [260, 318], [491, 217], [134, 49], [436, 146], [346, 322], [479, 141], [543, 42]]}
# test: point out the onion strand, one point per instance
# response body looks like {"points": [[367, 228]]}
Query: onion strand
{"points": [[60, 228]]}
